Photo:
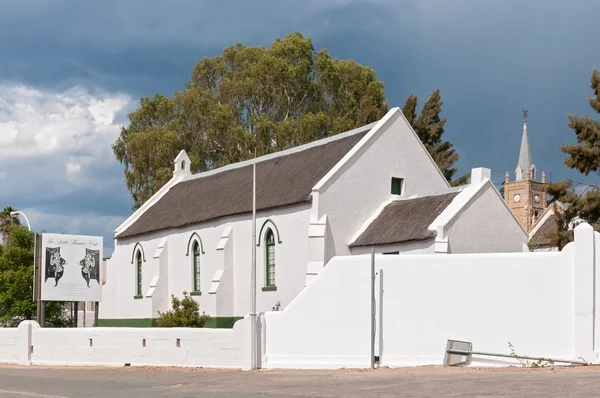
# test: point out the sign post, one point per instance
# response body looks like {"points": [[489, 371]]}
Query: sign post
{"points": [[37, 280]]}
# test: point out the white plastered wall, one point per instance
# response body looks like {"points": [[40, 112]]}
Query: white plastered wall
{"points": [[8, 345], [218, 348], [291, 254], [354, 192], [485, 225], [543, 303]]}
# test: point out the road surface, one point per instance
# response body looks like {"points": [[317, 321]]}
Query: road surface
{"points": [[60, 382]]}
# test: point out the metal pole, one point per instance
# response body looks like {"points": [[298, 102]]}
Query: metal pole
{"points": [[38, 280], [253, 345], [492, 354], [76, 314], [16, 213], [372, 308], [96, 310], [42, 321]]}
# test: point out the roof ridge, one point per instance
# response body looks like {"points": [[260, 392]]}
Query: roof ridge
{"points": [[285, 152], [439, 192]]}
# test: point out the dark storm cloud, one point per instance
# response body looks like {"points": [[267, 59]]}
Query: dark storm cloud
{"points": [[487, 57]]}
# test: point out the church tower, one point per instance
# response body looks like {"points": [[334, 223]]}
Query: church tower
{"points": [[525, 195]]}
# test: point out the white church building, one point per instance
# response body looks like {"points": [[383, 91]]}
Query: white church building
{"points": [[372, 187]]}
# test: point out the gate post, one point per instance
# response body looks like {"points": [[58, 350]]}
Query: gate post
{"points": [[583, 292]]}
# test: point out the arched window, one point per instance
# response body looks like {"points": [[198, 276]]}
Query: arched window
{"points": [[270, 258], [196, 267], [138, 274]]}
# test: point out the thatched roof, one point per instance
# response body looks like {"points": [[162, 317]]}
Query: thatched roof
{"points": [[404, 221], [545, 233], [282, 179]]}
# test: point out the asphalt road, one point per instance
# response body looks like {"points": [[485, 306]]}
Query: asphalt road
{"points": [[45, 382]]}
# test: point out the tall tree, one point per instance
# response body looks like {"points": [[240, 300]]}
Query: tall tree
{"points": [[583, 200], [430, 127], [409, 109], [6, 220], [247, 99]]}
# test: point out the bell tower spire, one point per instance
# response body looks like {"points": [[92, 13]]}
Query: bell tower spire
{"points": [[525, 167]]}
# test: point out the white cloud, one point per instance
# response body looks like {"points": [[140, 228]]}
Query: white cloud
{"points": [[56, 161], [38, 123]]}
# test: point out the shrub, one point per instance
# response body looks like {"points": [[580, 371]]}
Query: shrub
{"points": [[185, 313]]}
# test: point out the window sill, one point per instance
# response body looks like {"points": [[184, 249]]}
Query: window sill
{"points": [[269, 289], [138, 297], [196, 293]]}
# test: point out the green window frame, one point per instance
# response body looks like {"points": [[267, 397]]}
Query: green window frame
{"points": [[138, 273], [196, 267], [397, 185], [270, 259]]}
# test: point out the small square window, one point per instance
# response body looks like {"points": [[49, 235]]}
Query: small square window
{"points": [[397, 185]]}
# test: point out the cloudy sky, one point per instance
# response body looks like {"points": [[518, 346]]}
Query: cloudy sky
{"points": [[71, 71]]}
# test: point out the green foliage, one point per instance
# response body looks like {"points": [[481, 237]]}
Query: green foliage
{"points": [[583, 199], [430, 128], [585, 156], [185, 313], [540, 363], [582, 204], [246, 99], [6, 220], [16, 280]]}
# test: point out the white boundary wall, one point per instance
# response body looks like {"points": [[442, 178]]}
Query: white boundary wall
{"points": [[543, 303], [216, 348], [8, 345]]}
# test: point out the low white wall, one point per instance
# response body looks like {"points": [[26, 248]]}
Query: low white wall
{"points": [[8, 345], [216, 348], [543, 303]]}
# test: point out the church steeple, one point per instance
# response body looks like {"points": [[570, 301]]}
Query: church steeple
{"points": [[525, 168], [525, 196]]}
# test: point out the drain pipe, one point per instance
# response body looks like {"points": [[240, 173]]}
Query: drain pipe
{"points": [[372, 308]]}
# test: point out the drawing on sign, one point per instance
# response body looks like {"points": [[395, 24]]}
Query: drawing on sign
{"points": [[90, 266], [55, 264]]}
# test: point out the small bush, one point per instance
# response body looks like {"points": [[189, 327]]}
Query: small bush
{"points": [[185, 313]]}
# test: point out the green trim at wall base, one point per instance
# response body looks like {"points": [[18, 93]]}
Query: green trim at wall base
{"points": [[127, 323], [222, 322]]}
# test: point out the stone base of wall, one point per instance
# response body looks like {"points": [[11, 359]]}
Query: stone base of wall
{"points": [[223, 322]]}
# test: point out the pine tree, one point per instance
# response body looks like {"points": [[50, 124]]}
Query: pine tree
{"points": [[430, 129], [409, 109], [583, 200], [585, 156]]}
